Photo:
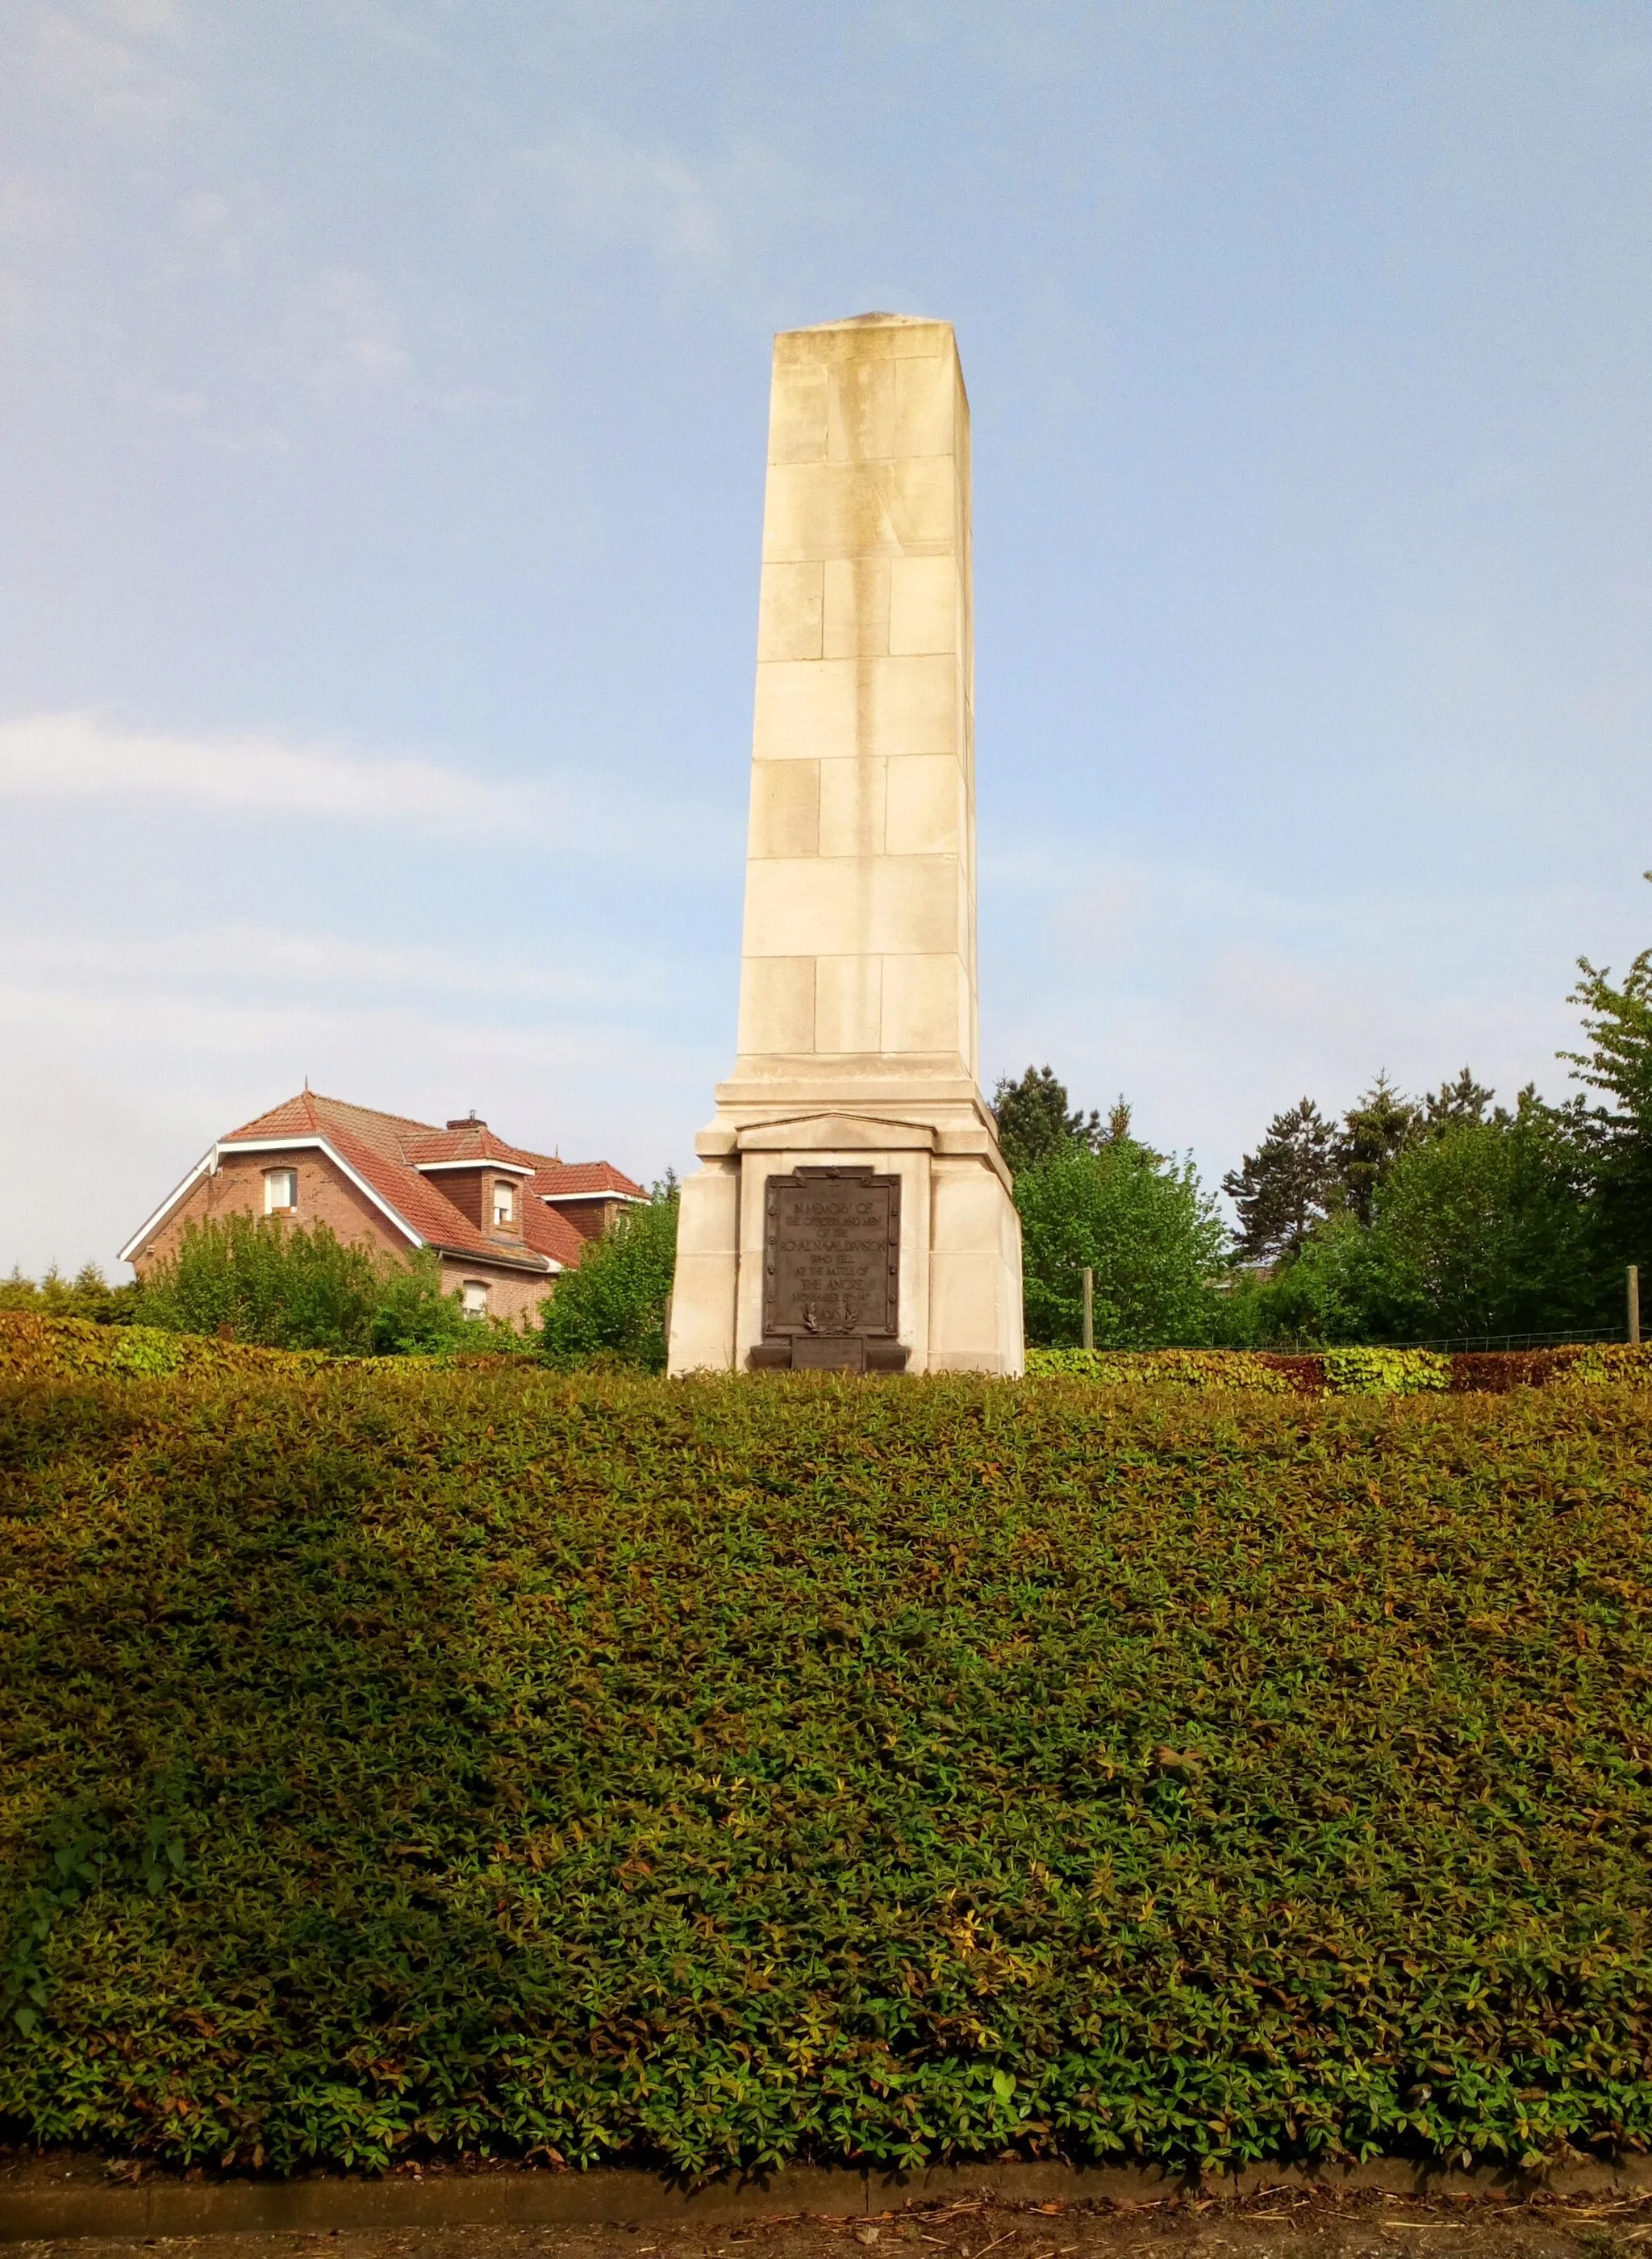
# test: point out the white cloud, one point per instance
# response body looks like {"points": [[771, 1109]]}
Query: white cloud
{"points": [[78, 757], [129, 1082], [250, 956], [116, 60], [702, 219], [1212, 998], [352, 345], [611, 190]]}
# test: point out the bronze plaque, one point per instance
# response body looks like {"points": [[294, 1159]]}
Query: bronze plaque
{"points": [[832, 1254]]}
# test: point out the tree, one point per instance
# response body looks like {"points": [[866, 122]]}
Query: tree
{"points": [[1483, 1228], [1286, 1187], [1375, 1129], [1034, 1124], [1454, 1103], [1322, 1297], [87, 1294], [612, 1309], [1618, 1024], [1144, 1227]]}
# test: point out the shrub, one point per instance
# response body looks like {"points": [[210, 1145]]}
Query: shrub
{"points": [[284, 1287], [1386, 1371], [401, 1760], [62, 1348], [612, 1309], [1348, 1371], [279, 1284], [1173, 1368]]}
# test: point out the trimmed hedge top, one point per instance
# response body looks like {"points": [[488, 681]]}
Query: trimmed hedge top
{"points": [[396, 1762], [1350, 1372], [64, 1347]]}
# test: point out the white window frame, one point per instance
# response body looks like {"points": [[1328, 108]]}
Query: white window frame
{"points": [[288, 1179], [475, 1298], [505, 1195]]}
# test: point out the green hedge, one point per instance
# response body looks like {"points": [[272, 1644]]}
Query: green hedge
{"points": [[65, 1348], [397, 1761], [61, 1348], [1344, 1372]]}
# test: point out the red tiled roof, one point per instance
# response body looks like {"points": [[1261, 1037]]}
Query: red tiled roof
{"points": [[550, 1234], [386, 1151], [553, 1177], [308, 1112], [475, 1142]]}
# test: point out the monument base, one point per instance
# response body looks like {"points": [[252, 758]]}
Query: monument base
{"points": [[956, 1296], [827, 1353]]}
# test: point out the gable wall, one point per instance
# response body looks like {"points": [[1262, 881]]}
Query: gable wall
{"points": [[325, 1195], [590, 1218]]}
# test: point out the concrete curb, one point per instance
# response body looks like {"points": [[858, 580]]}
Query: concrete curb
{"points": [[41, 2202]]}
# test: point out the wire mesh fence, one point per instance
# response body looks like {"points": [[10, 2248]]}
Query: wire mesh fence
{"points": [[1574, 1337]]}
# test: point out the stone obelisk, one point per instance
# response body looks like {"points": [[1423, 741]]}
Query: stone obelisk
{"points": [[852, 1209]]}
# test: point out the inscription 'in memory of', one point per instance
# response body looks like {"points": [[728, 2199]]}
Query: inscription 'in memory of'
{"points": [[832, 1254]]}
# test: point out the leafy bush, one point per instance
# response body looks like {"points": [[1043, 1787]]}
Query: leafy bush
{"points": [[414, 1315], [281, 1285], [1343, 1371], [1386, 1371], [67, 1349], [1145, 1229], [1174, 1368], [612, 1309], [400, 1760], [261, 1281]]}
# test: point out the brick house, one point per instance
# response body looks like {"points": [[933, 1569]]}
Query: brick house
{"points": [[503, 1221]]}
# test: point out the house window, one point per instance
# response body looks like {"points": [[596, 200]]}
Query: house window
{"points": [[475, 1301], [280, 1191], [504, 1204]]}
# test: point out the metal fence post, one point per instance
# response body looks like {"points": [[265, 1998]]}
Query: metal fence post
{"points": [[1089, 1307], [1635, 1302]]}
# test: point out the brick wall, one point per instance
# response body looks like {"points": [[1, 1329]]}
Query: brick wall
{"points": [[465, 1189], [590, 1218], [513, 1294], [324, 1196]]}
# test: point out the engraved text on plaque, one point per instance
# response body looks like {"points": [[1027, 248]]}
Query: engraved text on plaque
{"points": [[831, 1266]]}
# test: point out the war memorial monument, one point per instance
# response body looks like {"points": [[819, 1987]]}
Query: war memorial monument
{"points": [[852, 1210]]}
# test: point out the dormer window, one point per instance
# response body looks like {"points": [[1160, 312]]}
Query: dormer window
{"points": [[505, 1206], [280, 1192]]}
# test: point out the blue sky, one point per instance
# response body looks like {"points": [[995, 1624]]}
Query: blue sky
{"points": [[383, 388]]}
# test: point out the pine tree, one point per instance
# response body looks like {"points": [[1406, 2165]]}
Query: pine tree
{"points": [[1457, 1102], [1618, 1023], [1375, 1129], [1035, 1123], [1286, 1187]]}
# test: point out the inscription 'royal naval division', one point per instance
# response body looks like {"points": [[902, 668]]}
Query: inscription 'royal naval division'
{"points": [[831, 1270]]}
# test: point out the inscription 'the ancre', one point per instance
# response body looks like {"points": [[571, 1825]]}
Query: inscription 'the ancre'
{"points": [[831, 1253]]}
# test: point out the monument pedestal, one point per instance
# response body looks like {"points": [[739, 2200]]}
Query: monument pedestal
{"points": [[959, 1306], [855, 1100]]}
